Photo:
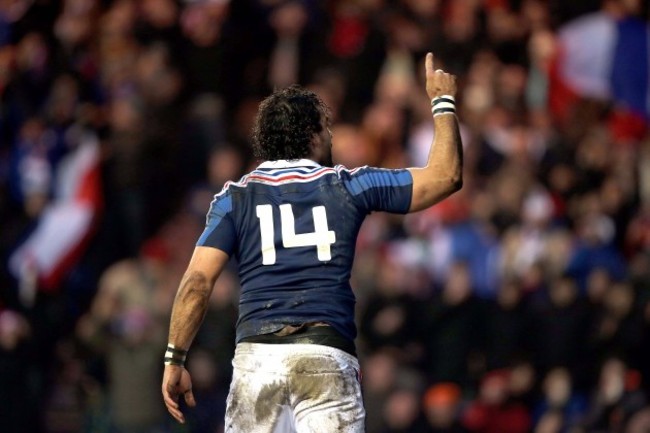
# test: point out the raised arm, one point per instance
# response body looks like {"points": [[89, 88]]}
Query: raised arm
{"points": [[188, 312], [443, 174]]}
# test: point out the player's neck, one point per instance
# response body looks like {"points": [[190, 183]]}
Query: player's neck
{"points": [[280, 163]]}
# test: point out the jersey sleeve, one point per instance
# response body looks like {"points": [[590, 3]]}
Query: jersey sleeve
{"points": [[219, 229], [379, 189]]}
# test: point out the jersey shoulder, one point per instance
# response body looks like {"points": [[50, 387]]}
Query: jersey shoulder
{"points": [[365, 177]]}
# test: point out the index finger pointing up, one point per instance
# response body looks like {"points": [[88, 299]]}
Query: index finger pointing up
{"points": [[429, 64]]}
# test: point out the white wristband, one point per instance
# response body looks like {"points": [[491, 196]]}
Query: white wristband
{"points": [[445, 104], [445, 98]]}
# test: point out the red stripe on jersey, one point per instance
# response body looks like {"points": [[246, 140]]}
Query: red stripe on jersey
{"points": [[257, 177], [291, 176]]}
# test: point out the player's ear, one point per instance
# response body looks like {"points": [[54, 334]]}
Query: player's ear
{"points": [[315, 146]]}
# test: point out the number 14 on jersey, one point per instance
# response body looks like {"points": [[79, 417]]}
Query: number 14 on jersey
{"points": [[322, 237]]}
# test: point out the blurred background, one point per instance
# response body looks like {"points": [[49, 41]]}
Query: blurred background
{"points": [[520, 304]]}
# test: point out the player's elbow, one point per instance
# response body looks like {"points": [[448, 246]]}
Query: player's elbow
{"points": [[449, 177], [428, 195], [449, 186], [451, 183], [455, 183]]}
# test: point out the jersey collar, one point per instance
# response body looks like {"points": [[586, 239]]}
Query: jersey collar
{"points": [[289, 163]]}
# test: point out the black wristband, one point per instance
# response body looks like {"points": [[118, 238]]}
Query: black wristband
{"points": [[175, 350], [443, 110], [173, 361], [175, 356], [444, 104], [445, 98]]}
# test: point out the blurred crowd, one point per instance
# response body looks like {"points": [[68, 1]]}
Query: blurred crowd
{"points": [[520, 304]]}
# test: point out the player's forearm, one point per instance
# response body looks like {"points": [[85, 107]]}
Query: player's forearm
{"points": [[446, 153], [443, 174], [189, 309]]}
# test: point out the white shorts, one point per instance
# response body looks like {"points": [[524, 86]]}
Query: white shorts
{"points": [[303, 388]]}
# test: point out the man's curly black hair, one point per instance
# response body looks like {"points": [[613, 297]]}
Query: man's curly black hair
{"points": [[286, 123]]}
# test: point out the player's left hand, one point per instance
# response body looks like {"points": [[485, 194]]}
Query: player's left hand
{"points": [[439, 82], [176, 382]]}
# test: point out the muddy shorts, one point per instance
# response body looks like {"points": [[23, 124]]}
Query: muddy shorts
{"points": [[302, 388]]}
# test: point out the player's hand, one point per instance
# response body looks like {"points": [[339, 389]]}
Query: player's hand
{"points": [[439, 82], [177, 382]]}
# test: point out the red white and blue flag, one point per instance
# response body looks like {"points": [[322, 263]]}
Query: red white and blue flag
{"points": [[66, 223], [608, 59]]}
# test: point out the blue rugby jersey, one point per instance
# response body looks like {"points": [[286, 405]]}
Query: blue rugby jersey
{"points": [[293, 225]]}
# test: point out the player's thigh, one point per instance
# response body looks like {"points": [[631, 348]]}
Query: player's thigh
{"points": [[256, 402]]}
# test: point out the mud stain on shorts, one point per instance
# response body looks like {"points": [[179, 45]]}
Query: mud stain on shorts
{"points": [[320, 380], [269, 402], [307, 380], [267, 405]]}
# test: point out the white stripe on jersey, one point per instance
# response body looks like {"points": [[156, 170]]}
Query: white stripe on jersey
{"points": [[284, 176], [280, 179]]}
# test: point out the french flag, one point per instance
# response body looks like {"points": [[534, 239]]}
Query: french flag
{"points": [[604, 58], [66, 224]]}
